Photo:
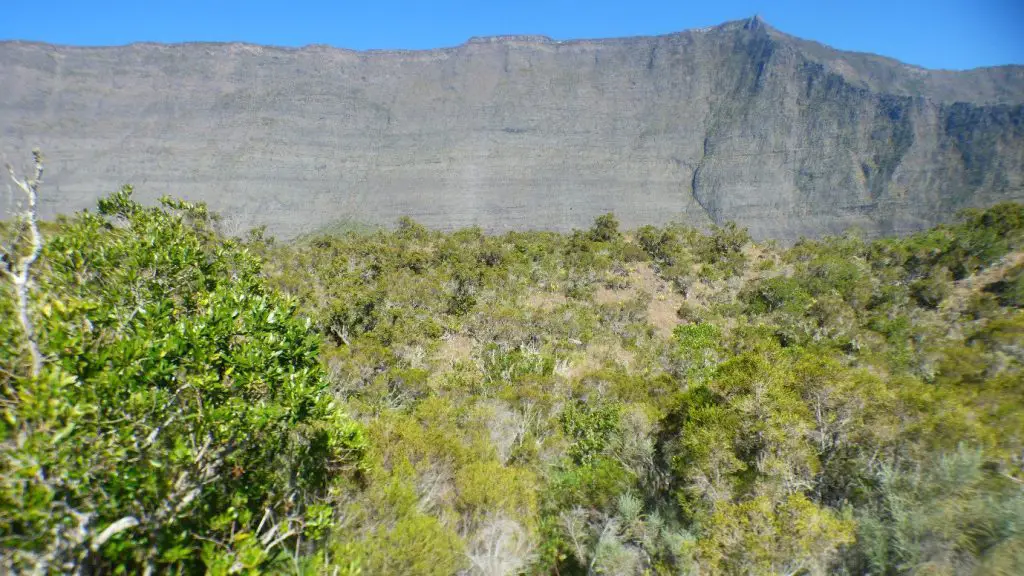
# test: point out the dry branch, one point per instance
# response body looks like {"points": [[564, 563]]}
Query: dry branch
{"points": [[18, 270]]}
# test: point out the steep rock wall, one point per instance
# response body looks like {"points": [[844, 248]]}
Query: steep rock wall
{"points": [[737, 122]]}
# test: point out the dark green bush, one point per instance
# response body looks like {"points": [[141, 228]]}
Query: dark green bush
{"points": [[605, 228]]}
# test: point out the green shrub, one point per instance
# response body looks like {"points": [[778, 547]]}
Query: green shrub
{"points": [[588, 429], [605, 228], [778, 294], [181, 401], [947, 516], [1009, 290], [932, 289], [416, 544]]}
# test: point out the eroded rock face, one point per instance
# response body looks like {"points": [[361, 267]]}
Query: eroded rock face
{"points": [[737, 122]]}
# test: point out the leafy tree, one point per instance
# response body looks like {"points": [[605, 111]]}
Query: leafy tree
{"points": [[605, 229]]}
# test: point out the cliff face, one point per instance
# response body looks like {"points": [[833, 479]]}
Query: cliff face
{"points": [[737, 122]]}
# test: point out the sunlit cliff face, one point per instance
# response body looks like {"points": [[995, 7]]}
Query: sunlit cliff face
{"points": [[737, 122]]}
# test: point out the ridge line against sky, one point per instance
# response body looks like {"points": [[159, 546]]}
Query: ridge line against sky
{"points": [[937, 34]]}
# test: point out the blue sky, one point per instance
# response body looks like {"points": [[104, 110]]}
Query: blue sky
{"points": [[952, 34]]}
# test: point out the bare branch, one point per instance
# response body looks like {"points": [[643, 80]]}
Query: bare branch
{"points": [[18, 270], [112, 530]]}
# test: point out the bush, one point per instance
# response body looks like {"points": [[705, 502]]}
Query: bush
{"points": [[605, 229], [949, 516], [589, 430], [1009, 291], [181, 403], [931, 290], [777, 294]]}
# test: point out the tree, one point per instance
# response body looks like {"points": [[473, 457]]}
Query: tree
{"points": [[605, 228]]}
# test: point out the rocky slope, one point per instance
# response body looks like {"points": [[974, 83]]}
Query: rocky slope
{"points": [[736, 122]]}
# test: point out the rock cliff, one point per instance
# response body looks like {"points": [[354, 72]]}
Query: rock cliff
{"points": [[736, 122]]}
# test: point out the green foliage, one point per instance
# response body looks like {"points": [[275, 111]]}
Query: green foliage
{"points": [[944, 516], [524, 402], [510, 366], [931, 290], [1009, 290], [178, 391], [979, 239], [746, 438], [723, 248], [589, 430], [778, 294], [605, 229], [759, 537], [697, 349], [744, 432]]}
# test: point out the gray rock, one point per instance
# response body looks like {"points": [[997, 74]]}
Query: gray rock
{"points": [[737, 122]]}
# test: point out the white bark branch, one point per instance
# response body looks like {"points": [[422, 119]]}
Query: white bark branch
{"points": [[112, 530], [18, 272]]}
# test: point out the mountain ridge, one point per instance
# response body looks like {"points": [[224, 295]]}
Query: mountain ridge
{"points": [[512, 132], [540, 39]]}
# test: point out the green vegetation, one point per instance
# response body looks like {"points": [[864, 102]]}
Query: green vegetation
{"points": [[663, 401], [180, 400]]}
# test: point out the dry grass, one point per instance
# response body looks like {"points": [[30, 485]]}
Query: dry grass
{"points": [[454, 348], [662, 312], [595, 357], [545, 301], [665, 301]]}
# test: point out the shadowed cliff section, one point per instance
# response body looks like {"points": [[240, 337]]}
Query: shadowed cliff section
{"points": [[736, 122]]}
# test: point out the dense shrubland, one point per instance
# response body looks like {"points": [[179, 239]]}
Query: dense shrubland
{"points": [[664, 401]]}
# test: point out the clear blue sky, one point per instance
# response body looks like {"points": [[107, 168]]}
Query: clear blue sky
{"points": [[951, 34]]}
